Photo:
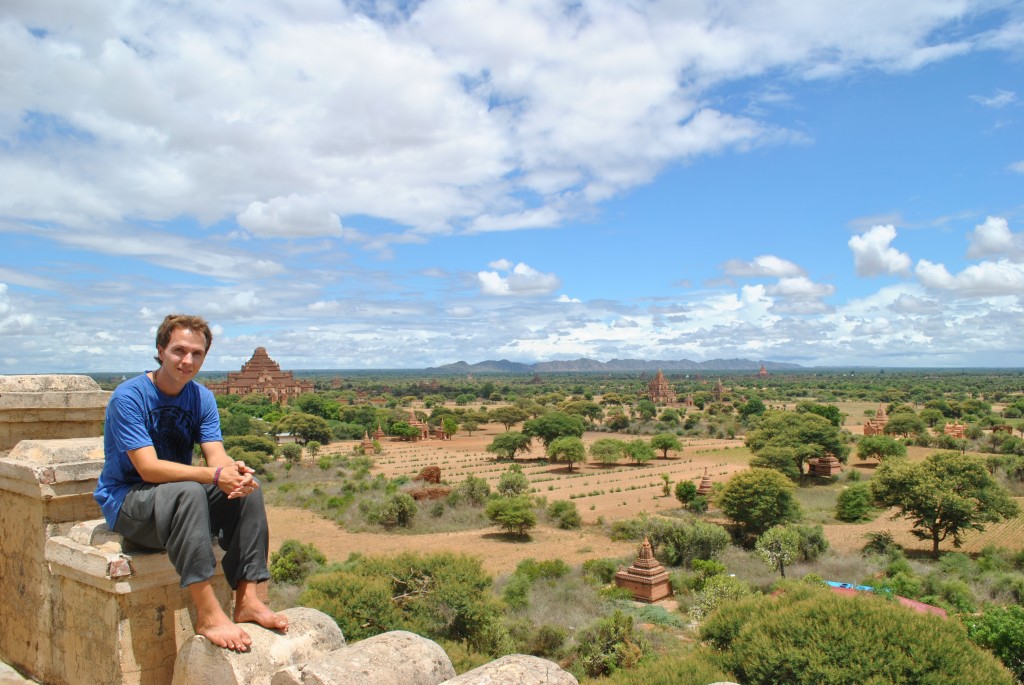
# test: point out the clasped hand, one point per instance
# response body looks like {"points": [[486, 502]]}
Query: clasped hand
{"points": [[237, 480]]}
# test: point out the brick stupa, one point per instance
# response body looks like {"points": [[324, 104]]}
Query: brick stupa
{"points": [[261, 375], [705, 487], [646, 578], [660, 391]]}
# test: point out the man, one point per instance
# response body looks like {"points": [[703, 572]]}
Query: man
{"points": [[152, 495]]}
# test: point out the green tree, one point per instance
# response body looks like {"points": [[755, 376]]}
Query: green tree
{"points": [[470, 425], [513, 482], [507, 445], [686, 492], [514, 514], [646, 410], [805, 433], [752, 407], [449, 425], [567, 448], [591, 411], [639, 450], [758, 499], [553, 425], [607, 450], [463, 399], [880, 447], [905, 424], [508, 416], [291, 452], [944, 496], [777, 547], [313, 447], [305, 427], [829, 411], [665, 442], [617, 421]]}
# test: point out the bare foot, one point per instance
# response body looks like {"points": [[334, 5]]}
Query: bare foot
{"points": [[252, 610], [222, 632]]}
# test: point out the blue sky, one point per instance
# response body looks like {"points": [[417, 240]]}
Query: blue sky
{"points": [[400, 185]]}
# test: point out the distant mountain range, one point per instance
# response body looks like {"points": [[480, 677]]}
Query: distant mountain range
{"points": [[614, 365]]}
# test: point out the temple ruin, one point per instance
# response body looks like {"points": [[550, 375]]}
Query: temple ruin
{"points": [[646, 578], [659, 391], [876, 426], [261, 375]]}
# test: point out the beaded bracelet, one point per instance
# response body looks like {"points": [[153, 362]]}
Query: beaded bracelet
{"points": [[216, 474]]}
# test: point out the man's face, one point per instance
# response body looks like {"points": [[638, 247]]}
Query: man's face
{"points": [[183, 356]]}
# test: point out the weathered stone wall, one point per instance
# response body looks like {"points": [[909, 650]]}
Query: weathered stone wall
{"points": [[49, 407]]}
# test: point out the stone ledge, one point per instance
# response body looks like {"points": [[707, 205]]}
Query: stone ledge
{"points": [[52, 468], [94, 555]]}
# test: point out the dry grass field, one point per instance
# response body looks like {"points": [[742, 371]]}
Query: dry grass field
{"points": [[603, 494]]}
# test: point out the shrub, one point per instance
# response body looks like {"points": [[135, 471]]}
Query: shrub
{"points": [[601, 571], [514, 514], [565, 514], [610, 644], [294, 561], [775, 640], [686, 492], [854, 503], [880, 542], [398, 509], [291, 452], [812, 543], [474, 490], [513, 482], [717, 589], [1001, 630], [361, 606], [676, 542], [251, 443]]}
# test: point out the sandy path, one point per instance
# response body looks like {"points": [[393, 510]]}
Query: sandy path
{"points": [[500, 554]]}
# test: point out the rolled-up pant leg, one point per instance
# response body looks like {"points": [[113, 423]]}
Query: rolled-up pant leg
{"points": [[181, 517]]}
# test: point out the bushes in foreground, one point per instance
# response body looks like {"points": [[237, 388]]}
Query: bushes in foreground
{"points": [[778, 639]]}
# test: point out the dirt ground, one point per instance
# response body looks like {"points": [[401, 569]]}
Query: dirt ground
{"points": [[602, 494]]}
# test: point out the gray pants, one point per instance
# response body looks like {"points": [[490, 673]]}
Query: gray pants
{"points": [[182, 517]]}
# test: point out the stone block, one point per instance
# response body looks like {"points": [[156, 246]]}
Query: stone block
{"points": [[118, 614], [50, 406], [45, 488], [311, 634], [516, 669], [395, 658]]}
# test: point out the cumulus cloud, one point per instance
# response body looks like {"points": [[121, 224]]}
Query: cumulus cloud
{"points": [[521, 279], [565, 298], [768, 266], [992, 237], [873, 255], [978, 280]]}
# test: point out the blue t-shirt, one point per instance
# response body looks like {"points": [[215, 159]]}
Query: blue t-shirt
{"points": [[139, 415]]}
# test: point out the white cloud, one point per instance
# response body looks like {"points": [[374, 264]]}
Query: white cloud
{"points": [[978, 280], [1017, 167], [992, 237], [1002, 98], [293, 216], [764, 266], [522, 280], [873, 255], [565, 298]]}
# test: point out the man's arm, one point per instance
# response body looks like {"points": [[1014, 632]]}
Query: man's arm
{"points": [[234, 476]]}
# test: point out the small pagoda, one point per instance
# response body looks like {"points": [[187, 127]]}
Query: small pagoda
{"points": [[704, 489], [646, 578], [825, 466], [366, 443], [876, 426]]}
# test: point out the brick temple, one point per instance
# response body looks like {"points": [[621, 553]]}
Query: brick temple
{"points": [[646, 578], [660, 391], [261, 375], [876, 426]]}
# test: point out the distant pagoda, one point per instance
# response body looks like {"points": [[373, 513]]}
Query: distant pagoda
{"points": [[261, 375], [659, 390]]}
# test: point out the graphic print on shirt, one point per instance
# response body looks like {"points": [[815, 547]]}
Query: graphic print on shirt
{"points": [[173, 432]]}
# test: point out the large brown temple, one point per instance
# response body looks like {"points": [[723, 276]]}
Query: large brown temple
{"points": [[261, 375], [660, 391]]}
